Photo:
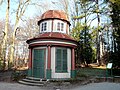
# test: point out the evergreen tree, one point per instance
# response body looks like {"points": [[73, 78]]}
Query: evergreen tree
{"points": [[115, 17], [84, 50]]}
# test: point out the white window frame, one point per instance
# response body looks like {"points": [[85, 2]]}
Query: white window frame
{"points": [[44, 26], [60, 26], [62, 68], [62, 29]]}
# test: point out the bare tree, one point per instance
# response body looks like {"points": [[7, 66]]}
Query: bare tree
{"points": [[4, 46], [28, 30], [23, 4], [1, 1], [1, 31], [1, 41]]}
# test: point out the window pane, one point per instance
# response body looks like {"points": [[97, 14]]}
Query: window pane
{"points": [[58, 26], [58, 60], [64, 60], [42, 26], [45, 26], [62, 26]]}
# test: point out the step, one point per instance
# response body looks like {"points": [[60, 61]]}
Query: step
{"points": [[30, 83], [33, 81], [33, 78], [36, 79]]}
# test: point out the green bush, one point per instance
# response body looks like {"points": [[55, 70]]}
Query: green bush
{"points": [[80, 74], [116, 72], [17, 75], [1, 65]]}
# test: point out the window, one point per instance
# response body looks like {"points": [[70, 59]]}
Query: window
{"points": [[44, 26], [61, 60], [60, 26]]}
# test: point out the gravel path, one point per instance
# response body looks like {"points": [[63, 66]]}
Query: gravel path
{"points": [[99, 86], [16, 86], [92, 86]]}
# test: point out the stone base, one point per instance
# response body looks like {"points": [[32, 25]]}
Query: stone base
{"points": [[48, 74], [73, 73], [29, 72]]}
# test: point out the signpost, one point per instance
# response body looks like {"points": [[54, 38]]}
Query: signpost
{"points": [[109, 66]]}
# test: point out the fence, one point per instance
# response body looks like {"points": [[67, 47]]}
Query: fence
{"points": [[91, 72], [98, 72]]}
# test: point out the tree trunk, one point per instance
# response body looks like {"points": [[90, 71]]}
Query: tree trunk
{"points": [[13, 43], [97, 38], [6, 34]]}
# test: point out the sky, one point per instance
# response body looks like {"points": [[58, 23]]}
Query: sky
{"points": [[33, 11]]}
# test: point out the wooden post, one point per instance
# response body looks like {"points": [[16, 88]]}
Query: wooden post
{"points": [[48, 75], [73, 59], [49, 58], [73, 71], [30, 63]]}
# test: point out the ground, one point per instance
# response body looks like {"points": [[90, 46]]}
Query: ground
{"points": [[99, 86], [91, 86]]}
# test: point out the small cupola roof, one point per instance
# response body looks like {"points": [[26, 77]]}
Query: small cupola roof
{"points": [[54, 14]]}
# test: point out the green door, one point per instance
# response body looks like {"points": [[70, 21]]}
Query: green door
{"points": [[39, 63]]}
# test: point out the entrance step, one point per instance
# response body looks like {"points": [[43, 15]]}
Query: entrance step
{"points": [[33, 81], [36, 79]]}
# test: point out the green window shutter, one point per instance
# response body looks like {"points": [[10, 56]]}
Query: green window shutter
{"points": [[61, 60]]}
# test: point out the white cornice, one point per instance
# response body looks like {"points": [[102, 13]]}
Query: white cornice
{"points": [[51, 41]]}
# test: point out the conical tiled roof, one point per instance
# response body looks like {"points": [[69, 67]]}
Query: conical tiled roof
{"points": [[54, 14], [51, 35]]}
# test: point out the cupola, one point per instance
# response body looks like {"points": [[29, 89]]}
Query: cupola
{"points": [[54, 21]]}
